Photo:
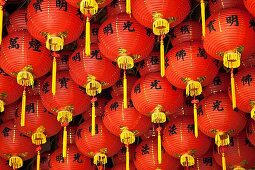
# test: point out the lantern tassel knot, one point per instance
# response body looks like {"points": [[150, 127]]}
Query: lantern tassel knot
{"points": [[25, 77], [23, 108], [193, 88], [15, 162], [187, 160], [162, 57], [222, 139], [39, 138], [2, 105], [87, 41], [158, 116], [202, 4]]}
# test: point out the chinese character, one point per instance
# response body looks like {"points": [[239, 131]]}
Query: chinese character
{"points": [[200, 110], [190, 128], [217, 81], [6, 131], [30, 108], [252, 24], [108, 29], [96, 54], [232, 19], [154, 60], [154, 84], [45, 87], [180, 54], [145, 149], [142, 64], [247, 142], [59, 158], [247, 79], [137, 88], [166, 62], [96, 129], [207, 161], [127, 25], [172, 130], [79, 133], [76, 157], [37, 5], [114, 106], [130, 104], [119, 84], [35, 44], [14, 43], [202, 53], [64, 59], [114, 3], [61, 4], [81, 16], [63, 82], [216, 106], [77, 57], [94, 31], [211, 26], [185, 29]]}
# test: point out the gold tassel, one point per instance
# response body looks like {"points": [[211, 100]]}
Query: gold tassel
{"points": [[54, 76], [224, 167], [187, 160], [87, 42], [253, 113], [233, 90], [64, 141], [100, 158], [38, 160], [159, 148], [203, 17], [162, 57], [93, 131], [23, 109], [125, 90], [1, 23], [15, 162], [195, 120], [128, 7], [127, 157], [1, 105]]}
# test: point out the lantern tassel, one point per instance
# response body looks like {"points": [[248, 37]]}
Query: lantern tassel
{"points": [[127, 157], [125, 89], [38, 160], [15, 162], [23, 108], [128, 7], [1, 105], [233, 90], [87, 42], [203, 17], [93, 130], [195, 120], [223, 162], [1, 23], [159, 147], [162, 57], [54, 76], [64, 141]]}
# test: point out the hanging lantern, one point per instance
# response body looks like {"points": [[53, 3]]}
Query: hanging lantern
{"points": [[222, 27], [100, 103], [146, 156], [186, 31], [10, 91], [160, 15], [71, 133], [70, 100], [17, 21], [122, 39], [238, 155], [40, 124], [219, 84], [15, 146], [10, 111], [116, 7], [150, 64], [250, 5], [123, 166], [100, 146], [4, 164], [74, 160], [120, 157], [44, 162], [216, 6]]}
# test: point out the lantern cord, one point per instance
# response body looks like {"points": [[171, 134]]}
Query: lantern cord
{"points": [[64, 141], [195, 116], [125, 89], [127, 157], [162, 57], [233, 90], [93, 110], [1, 105], [1, 23], [159, 145], [23, 108], [128, 7], [203, 16], [223, 161], [87, 41], [54, 75]]}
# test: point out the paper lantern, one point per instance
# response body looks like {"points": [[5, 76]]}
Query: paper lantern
{"points": [[150, 64], [10, 111], [216, 6], [250, 5], [180, 142], [116, 7], [4, 164], [123, 166], [17, 21]]}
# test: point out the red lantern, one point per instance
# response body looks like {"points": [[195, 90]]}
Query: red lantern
{"points": [[4, 165], [70, 100], [17, 21], [120, 157], [10, 111], [116, 7], [239, 155], [250, 5], [71, 133], [179, 140], [44, 162], [74, 160], [218, 5], [122, 166], [10, 91], [15, 146], [100, 103], [146, 156], [100, 146], [186, 31], [150, 64]]}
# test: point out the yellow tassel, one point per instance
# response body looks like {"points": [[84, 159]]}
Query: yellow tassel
{"points": [[38, 160], [253, 113], [233, 90], [100, 158], [54, 76], [87, 42], [224, 167], [125, 90], [203, 17], [193, 88], [1, 23], [15, 162], [195, 120], [127, 158], [64, 142], [39, 138], [128, 7], [23, 109], [1, 105], [93, 131], [187, 160], [25, 76], [222, 139], [159, 149], [162, 58]]}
